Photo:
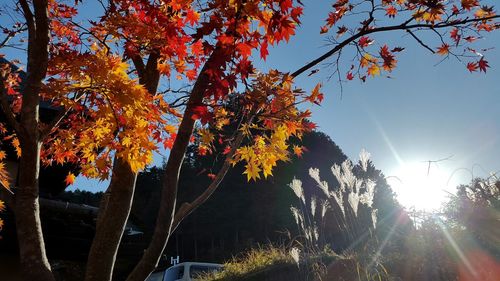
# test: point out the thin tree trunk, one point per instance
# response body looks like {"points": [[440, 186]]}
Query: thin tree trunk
{"points": [[164, 221], [116, 204], [112, 219]]}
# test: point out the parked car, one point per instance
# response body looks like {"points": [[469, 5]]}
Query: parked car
{"points": [[186, 271]]}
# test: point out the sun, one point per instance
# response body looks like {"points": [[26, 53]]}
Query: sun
{"points": [[418, 186]]}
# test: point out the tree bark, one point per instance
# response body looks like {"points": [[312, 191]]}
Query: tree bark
{"points": [[34, 262], [112, 219]]}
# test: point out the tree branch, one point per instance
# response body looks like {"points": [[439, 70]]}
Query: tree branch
{"points": [[187, 208], [7, 196], [54, 123], [28, 15], [402, 26], [9, 115], [420, 41]]}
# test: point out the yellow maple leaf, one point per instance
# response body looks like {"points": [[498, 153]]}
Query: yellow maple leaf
{"points": [[366, 60], [373, 70], [206, 137], [267, 170], [252, 171], [246, 153]]}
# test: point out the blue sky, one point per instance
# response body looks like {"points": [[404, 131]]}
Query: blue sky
{"points": [[424, 112]]}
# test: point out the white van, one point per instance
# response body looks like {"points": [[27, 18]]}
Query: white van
{"points": [[186, 271]]}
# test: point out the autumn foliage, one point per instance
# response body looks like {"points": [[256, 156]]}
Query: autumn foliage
{"points": [[144, 75]]}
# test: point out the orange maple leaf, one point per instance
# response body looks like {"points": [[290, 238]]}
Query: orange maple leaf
{"points": [[70, 179], [443, 49], [391, 11], [298, 150]]}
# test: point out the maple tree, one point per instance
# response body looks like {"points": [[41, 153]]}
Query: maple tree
{"points": [[111, 81]]}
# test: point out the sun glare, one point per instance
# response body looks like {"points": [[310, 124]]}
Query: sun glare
{"points": [[419, 187]]}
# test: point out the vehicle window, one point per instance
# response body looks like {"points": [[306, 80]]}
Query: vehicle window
{"points": [[196, 271], [175, 273], [157, 276]]}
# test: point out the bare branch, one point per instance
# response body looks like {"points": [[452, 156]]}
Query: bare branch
{"points": [[54, 123], [7, 196], [187, 208], [420, 41]]}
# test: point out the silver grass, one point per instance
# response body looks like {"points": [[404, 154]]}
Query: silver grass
{"points": [[374, 217], [295, 213], [324, 207], [353, 199], [337, 172], [364, 157], [323, 185], [296, 186], [313, 205], [316, 233], [347, 175], [340, 200], [367, 197], [295, 254]]}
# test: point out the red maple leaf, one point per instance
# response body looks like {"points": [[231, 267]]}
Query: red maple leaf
{"points": [[263, 50], [472, 66], [365, 41], [469, 4], [455, 36], [169, 142], [244, 49], [349, 76], [192, 17], [202, 113], [470, 39], [483, 64]]}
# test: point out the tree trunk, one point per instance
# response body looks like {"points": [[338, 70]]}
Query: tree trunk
{"points": [[34, 262], [164, 221], [112, 219]]}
